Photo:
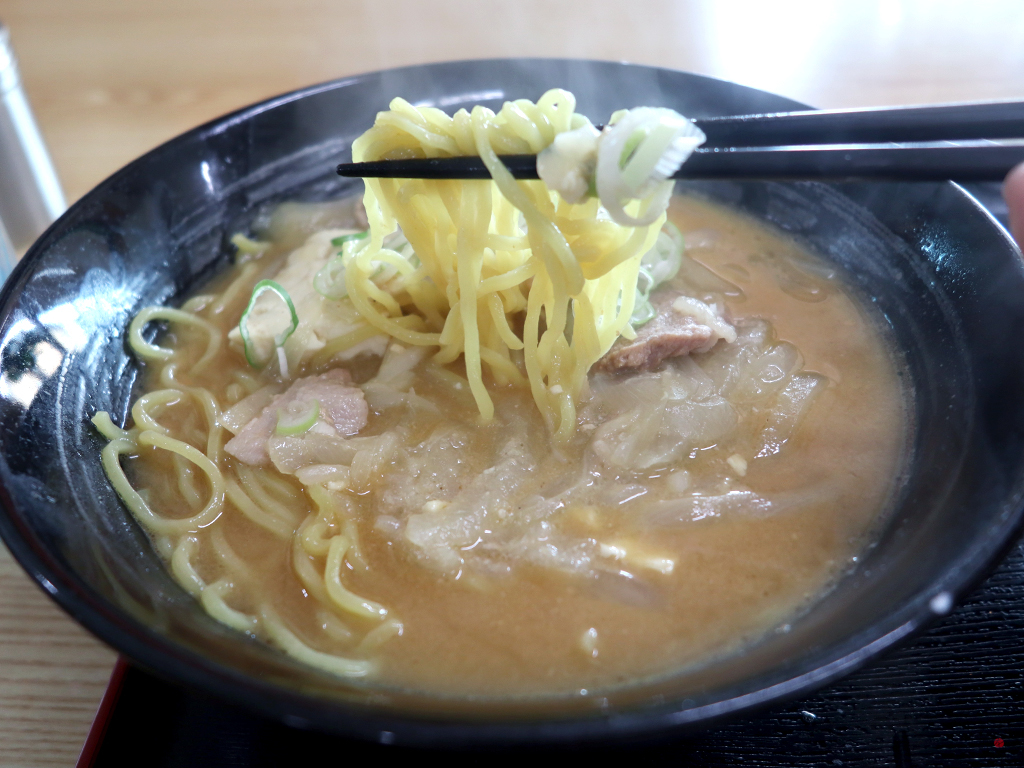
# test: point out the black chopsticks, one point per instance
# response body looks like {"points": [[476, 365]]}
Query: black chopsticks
{"points": [[872, 125], [965, 142]]}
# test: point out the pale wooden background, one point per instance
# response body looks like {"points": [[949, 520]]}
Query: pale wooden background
{"points": [[110, 79]]}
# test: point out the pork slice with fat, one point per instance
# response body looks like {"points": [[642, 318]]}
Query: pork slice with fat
{"points": [[682, 325], [343, 412]]}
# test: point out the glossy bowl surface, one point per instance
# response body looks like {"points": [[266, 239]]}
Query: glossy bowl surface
{"points": [[942, 273]]}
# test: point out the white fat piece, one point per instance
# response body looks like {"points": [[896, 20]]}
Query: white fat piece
{"points": [[705, 314], [320, 318], [568, 164]]}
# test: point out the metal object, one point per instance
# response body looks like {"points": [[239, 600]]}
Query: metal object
{"points": [[30, 193], [7, 256]]}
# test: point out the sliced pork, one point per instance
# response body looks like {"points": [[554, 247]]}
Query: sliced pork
{"points": [[341, 410], [682, 325]]}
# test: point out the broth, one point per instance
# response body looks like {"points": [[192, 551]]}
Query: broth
{"points": [[622, 584]]}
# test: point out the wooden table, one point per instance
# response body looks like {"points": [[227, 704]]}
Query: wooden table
{"points": [[110, 79]]}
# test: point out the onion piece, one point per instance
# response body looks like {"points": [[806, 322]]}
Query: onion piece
{"points": [[666, 140], [657, 266]]}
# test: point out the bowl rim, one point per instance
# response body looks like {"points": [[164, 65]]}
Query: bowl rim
{"points": [[174, 663]]}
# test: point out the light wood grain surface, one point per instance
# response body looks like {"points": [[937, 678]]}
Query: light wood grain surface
{"points": [[110, 79]]}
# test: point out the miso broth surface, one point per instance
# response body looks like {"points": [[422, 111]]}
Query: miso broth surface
{"points": [[735, 577]]}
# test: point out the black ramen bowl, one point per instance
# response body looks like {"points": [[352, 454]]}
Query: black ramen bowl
{"points": [[942, 273]]}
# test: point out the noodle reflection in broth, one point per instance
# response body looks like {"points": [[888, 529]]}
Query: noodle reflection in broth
{"points": [[497, 442]]}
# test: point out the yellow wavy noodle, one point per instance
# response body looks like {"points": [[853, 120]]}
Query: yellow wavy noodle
{"points": [[182, 568], [335, 508], [297, 649], [144, 409], [234, 392], [187, 483], [247, 380], [197, 304], [376, 637], [267, 520], [229, 559], [304, 565], [154, 523], [325, 356], [213, 600], [278, 487], [148, 351], [211, 412], [315, 536], [339, 594], [250, 479], [234, 298], [333, 626], [331, 534], [484, 267], [196, 450]]}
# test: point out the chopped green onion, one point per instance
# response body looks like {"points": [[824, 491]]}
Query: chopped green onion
{"points": [[643, 313], [643, 310], [329, 282], [645, 277], [243, 324], [617, 115], [648, 152], [657, 266], [297, 417], [247, 246], [578, 121], [631, 145], [665, 258], [404, 247], [342, 239]]}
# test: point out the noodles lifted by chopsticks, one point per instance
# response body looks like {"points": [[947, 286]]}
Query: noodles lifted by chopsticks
{"points": [[505, 268]]}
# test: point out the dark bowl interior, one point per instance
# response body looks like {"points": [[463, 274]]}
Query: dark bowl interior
{"points": [[941, 272]]}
